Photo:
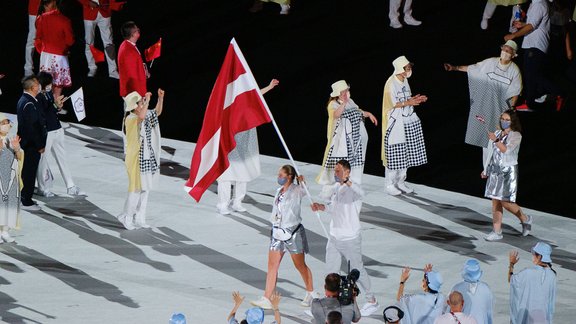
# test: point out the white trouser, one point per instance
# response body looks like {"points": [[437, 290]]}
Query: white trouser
{"points": [[225, 193], [135, 206], [351, 250], [489, 10], [29, 51], [105, 26], [394, 177], [54, 147], [394, 12]]}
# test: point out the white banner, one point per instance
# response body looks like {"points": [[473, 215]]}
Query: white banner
{"points": [[77, 99]]}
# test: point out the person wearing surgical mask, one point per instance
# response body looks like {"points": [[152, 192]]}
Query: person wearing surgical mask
{"points": [[345, 239], [402, 137], [288, 235], [501, 172], [11, 156], [494, 86]]}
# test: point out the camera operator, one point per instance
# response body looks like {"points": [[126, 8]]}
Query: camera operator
{"points": [[321, 307]]}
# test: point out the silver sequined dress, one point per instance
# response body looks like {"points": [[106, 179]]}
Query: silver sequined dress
{"points": [[502, 182]]}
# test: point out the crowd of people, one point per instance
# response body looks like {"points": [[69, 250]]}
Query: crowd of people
{"points": [[495, 86]]}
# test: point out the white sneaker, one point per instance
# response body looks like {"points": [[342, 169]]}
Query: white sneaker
{"points": [[114, 75], [493, 236], [91, 73], [45, 193], [308, 298], [369, 308], [239, 208], [484, 24], [138, 224], [527, 226], [75, 191], [5, 236], [285, 9], [541, 99], [309, 313], [263, 303], [33, 207], [127, 222], [392, 190], [396, 24], [224, 211], [409, 20], [404, 188]]}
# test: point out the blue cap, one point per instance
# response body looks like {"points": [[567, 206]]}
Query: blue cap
{"points": [[434, 280], [255, 315], [177, 318], [471, 271], [544, 250]]}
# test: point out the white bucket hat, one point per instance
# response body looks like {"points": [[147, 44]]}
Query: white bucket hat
{"points": [[399, 64], [131, 101], [512, 44], [338, 87], [3, 117]]}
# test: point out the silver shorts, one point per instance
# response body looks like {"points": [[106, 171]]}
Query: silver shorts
{"points": [[297, 244]]}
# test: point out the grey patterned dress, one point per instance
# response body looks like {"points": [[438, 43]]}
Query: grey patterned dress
{"points": [[10, 187]]}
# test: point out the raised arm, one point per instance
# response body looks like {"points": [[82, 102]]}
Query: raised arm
{"points": [[238, 299], [449, 67], [269, 87], [160, 103]]}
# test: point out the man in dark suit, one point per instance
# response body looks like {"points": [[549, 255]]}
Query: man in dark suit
{"points": [[32, 131]]}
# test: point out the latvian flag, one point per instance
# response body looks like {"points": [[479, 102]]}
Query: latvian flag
{"points": [[235, 105]]}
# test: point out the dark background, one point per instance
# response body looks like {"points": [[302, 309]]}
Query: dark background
{"points": [[319, 43]]}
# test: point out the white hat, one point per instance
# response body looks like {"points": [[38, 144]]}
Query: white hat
{"points": [[131, 101], [399, 64], [3, 117], [512, 44], [338, 87]]}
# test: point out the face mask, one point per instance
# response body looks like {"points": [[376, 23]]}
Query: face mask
{"points": [[48, 88], [505, 124], [505, 56], [282, 181], [337, 179], [5, 128]]}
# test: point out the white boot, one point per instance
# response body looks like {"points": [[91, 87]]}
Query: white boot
{"points": [[224, 197], [130, 205], [140, 216], [488, 12], [239, 194], [390, 182], [401, 184]]}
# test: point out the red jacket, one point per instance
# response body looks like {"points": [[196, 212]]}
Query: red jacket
{"points": [[90, 13], [131, 69], [53, 33], [33, 6]]}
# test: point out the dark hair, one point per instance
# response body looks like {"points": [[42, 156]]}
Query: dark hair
{"points": [[336, 98], [549, 264], [290, 171], [45, 79], [244, 321], [29, 81], [43, 3], [514, 120], [332, 282], [345, 164], [334, 317], [430, 290], [127, 29]]}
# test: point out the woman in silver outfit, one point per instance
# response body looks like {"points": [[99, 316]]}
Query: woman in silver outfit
{"points": [[501, 172]]}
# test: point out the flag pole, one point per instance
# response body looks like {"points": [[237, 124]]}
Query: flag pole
{"points": [[152, 63], [243, 60]]}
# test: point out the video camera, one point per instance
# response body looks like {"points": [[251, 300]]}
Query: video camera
{"points": [[348, 288]]}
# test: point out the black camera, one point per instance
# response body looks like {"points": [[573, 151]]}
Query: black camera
{"points": [[348, 287]]}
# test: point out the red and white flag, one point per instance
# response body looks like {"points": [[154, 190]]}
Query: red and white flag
{"points": [[235, 105]]}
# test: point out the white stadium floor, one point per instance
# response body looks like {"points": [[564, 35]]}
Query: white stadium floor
{"points": [[74, 263]]}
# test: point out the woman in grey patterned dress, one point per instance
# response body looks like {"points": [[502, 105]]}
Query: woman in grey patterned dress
{"points": [[10, 156], [501, 172]]}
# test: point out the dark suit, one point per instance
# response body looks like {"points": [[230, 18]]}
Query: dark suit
{"points": [[32, 131]]}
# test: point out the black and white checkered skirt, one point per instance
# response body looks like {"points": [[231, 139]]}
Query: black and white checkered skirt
{"points": [[410, 153]]}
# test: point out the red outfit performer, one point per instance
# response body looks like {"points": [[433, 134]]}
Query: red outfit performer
{"points": [[33, 6], [54, 37], [133, 72], [98, 13]]}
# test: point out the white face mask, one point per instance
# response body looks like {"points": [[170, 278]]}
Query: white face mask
{"points": [[505, 56], [5, 128], [408, 74], [48, 88]]}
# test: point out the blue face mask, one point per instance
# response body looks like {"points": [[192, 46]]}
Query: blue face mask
{"points": [[505, 124], [282, 181]]}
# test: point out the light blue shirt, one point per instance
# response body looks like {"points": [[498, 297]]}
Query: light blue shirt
{"points": [[422, 308], [478, 300], [532, 296]]}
